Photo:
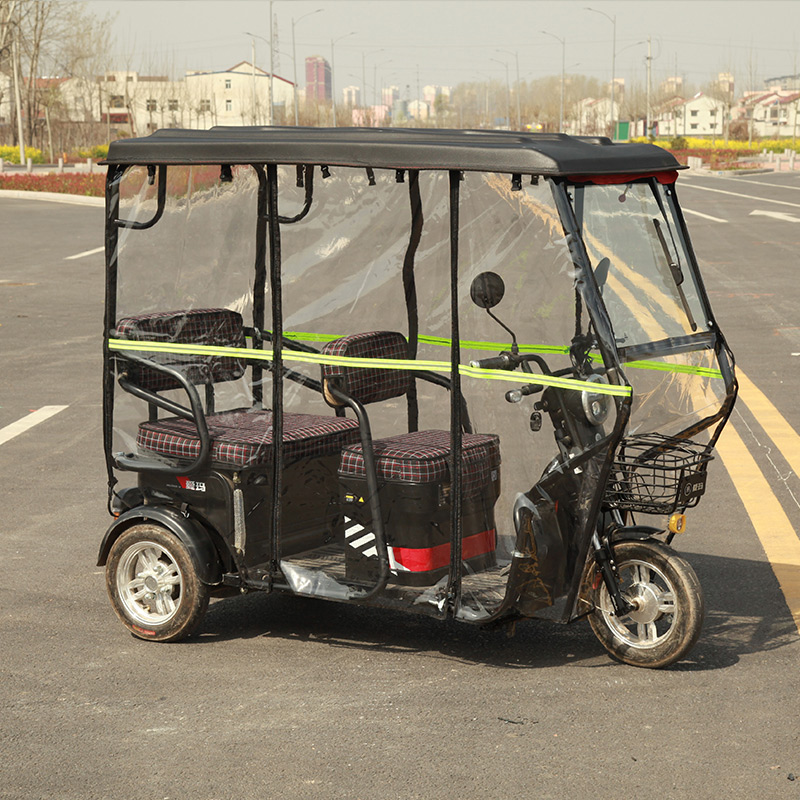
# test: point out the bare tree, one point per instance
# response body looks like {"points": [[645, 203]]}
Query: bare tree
{"points": [[56, 39]]}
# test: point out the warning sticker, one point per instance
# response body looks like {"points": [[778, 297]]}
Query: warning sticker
{"points": [[193, 486]]}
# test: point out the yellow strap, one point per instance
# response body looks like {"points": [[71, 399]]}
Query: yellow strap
{"points": [[441, 341], [179, 348]]}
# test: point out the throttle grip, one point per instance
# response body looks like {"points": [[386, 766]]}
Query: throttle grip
{"points": [[503, 361], [516, 395]]}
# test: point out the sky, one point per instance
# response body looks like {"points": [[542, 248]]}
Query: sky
{"points": [[412, 43]]}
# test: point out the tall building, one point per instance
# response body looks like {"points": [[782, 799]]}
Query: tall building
{"points": [[351, 95], [318, 79], [390, 95]]}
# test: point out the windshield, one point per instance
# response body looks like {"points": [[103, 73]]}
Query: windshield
{"points": [[648, 282], [640, 261]]}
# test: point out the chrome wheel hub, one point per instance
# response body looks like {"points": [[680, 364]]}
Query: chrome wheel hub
{"points": [[149, 583], [654, 612]]}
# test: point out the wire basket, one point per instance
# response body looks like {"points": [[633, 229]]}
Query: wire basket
{"points": [[657, 474]]}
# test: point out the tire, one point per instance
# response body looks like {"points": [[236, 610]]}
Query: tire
{"points": [[153, 585], [670, 616]]}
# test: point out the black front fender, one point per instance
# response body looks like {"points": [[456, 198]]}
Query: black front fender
{"points": [[193, 535], [635, 533]]}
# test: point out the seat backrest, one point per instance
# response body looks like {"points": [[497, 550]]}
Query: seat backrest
{"points": [[219, 327], [368, 385]]}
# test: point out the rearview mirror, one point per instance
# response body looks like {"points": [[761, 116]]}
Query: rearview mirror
{"points": [[487, 289]]}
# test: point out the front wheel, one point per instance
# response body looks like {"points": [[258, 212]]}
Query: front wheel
{"points": [[153, 584], [668, 606]]}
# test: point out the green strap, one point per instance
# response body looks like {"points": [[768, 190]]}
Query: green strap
{"points": [[440, 341], [298, 356]]}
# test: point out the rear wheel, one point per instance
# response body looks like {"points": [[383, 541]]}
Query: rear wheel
{"points": [[153, 585], [668, 615]]}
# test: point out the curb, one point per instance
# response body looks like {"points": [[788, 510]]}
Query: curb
{"points": [[53, 197], [733, 173]]}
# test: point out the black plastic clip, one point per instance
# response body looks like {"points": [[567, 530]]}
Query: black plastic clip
{"points": [[225, 174], [534, 180], [299, 181], [400, 176], [516, 182], [151, 174], [326, 173], [371, 176]]}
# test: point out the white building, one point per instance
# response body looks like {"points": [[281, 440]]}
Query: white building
{"points": [[390, 95], [419, 110], [775, 115], [702, 116], [435, 96], [351, 96], [141, 104], [594, 116]]}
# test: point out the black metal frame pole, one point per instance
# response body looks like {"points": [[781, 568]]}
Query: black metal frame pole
{"points": [[454, 586], [259, 282], [410, 290], [277, 361], [113, 179]]}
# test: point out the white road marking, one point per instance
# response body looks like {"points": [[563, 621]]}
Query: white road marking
{"points": [[26, 423], [775, 215], [746, 179], [743, 196], [85, 253], [704, 216]]}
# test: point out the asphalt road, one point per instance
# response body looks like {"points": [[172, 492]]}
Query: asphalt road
{"points": [[284, 697]]}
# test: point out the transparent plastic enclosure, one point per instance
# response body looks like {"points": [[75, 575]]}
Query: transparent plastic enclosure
{"points": [[649, 286]]}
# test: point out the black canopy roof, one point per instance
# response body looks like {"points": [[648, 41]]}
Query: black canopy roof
{"points": [[395, 148]]}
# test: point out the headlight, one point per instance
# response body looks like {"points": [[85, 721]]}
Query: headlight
{"points": [[595, 405]]}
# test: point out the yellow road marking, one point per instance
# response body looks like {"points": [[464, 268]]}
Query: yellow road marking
{"points": [[772, 526], [771, 420]]}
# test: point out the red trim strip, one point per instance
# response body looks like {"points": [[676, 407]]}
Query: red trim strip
{"points": [[424, 559], [669, 176]]}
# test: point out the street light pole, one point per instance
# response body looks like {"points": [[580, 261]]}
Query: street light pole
{"points": [[253, 37], [17, 102], [508, 91], [378, 99], [253, 71], [563, 62], [613, 21], [364, 77], [271, 63], [516, 59], [294, 63], [333, 84]]}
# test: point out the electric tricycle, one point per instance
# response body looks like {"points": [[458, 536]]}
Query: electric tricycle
{"points": [[324, 346]]}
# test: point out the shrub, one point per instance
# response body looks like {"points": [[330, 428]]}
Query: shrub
{"points": [[96, 153], [68, 183], [679, 143], [10, 153]]}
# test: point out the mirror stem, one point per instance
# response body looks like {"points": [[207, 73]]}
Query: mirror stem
{"points": [[514, 346]]}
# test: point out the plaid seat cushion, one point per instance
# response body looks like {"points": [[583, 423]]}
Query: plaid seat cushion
{"points": [[219, 327], [364, 384], [422, 457], [243, 437]]}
